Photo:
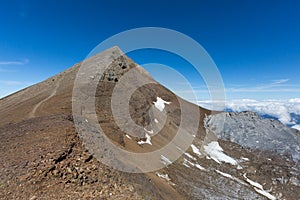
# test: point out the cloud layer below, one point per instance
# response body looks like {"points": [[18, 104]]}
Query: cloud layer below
{"points": [[286, 111]]}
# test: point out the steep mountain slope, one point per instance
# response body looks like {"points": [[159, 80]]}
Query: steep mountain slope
{"points": [[44, 156]]}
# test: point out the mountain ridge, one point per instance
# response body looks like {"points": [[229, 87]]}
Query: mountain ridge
{"points": [[43, 155]]}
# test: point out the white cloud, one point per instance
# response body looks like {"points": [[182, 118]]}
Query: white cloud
{"points": [[295, 100], [23, 62], [273, 86], [280, 109], [280, 81], [279, 85]]}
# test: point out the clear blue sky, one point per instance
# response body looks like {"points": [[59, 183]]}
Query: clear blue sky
{"points": [[254, 43]]}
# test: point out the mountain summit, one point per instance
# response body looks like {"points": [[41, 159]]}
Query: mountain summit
{"points": [[158, 146]]}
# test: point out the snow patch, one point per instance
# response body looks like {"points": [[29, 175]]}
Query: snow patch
{"points": [[224, 174], [190, 156], [163, 176], [231, 177], [196, 150], [215, 152], [128, 136], [200, 167], [265, 193], [185, 163], [150, 132], [165, 160], [297, 127], [155, 120], [179, 148], [253, 183], [245, 159], [189, 163], [160, 103], [259, 188], [148, 140], [166, 177]]}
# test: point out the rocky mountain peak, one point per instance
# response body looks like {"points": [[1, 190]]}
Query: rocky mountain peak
{"points": [[227, 156]]}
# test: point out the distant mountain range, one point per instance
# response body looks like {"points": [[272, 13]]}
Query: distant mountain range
{"points": [[295, 118]]}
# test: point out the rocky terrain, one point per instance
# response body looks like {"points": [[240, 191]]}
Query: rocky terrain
{"points": [[250, 130], [45, 156]]}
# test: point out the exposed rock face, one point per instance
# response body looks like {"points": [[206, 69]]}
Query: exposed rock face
{"points": [[250, 130], [43, 156]]}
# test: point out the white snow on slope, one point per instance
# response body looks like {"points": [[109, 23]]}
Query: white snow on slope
{"points": [[215, 152], [259, 188], [148, 140], [177, 147], [185, 163], [190, 156], [224, 174], [128, 136], [231, 177], [265, 193], [166, 177], [165, 160], [160, 103], [155, 120], [196, 150], [296, 127], [200, 167], [163, 176], [189, 164], [253, 183], [150, 132], [245, 159]]}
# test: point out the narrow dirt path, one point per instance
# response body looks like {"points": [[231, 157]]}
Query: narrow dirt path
{"points": [[32, 113]]}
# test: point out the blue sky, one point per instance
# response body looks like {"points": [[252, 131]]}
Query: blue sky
{"points": [[255, 44]]}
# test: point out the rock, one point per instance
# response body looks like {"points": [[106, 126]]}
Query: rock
{"points": [[80, 176], [131, 188], [88, 158], [33, 198], [81, 170], [23, 178], [69, 170], [99, 189], [294, 181], [75, 175], [246, 128], [55, 172], [94, 167], [92, 180]]}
